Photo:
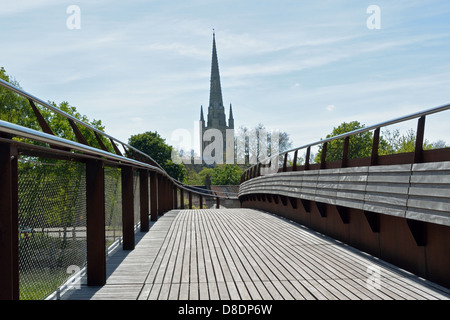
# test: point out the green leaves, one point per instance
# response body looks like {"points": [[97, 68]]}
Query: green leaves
{"points": [[17, 109], [227, 174], [155, 146], [360, 146]]}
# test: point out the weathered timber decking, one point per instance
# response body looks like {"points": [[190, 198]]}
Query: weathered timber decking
{"points": [[247, 254]]}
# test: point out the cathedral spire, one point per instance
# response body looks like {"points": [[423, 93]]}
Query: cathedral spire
{"points": [[231, 119], [201, 114], [215, 93]]}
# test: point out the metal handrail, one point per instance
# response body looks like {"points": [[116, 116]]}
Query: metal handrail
{"points": [[32, 134], [358, 131], [29, 96], [43, 137]]}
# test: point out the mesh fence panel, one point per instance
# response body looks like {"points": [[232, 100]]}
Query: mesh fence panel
{"points": [[137, 202], [52, 225], [113, 205], [52, 221]]}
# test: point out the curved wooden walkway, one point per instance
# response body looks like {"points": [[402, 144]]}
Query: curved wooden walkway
{"points": [[215, 254]]}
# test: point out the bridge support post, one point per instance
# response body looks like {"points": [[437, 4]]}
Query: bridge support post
{"points": [[153, 196], [418, 151], [160, 193], [144, 200], [190, 200], [217, 203], [127, 208], [181, 198], [168, 196], [164, 194], [9, 217], [95, 207], [175, 196]]}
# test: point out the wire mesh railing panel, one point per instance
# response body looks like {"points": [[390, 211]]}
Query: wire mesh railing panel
{"points": [[52, 224], [113, 205], [137, 202]]}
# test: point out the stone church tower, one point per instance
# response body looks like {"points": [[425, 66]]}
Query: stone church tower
{"points": [[216, 120]]}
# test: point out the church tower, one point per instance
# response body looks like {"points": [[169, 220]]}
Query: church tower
{"points": [[216, 118]]}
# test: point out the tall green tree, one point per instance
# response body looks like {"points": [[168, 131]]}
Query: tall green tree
{"points": [[360, 145], [407, 143], [156, 147]]}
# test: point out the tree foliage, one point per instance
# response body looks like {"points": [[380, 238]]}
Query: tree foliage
{"points": [[258, 143], [16, 109], [156, 147], [360, 145], [225, 174]]}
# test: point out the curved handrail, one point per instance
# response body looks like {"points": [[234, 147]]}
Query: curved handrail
{"points": [[355, 132], [24, 132], [29, 96]]}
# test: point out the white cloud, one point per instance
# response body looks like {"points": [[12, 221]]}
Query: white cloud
{"points": [[331, 107]]}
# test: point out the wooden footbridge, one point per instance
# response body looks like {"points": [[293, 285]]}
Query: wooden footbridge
{"points": [[105, 221], [245, 254]]}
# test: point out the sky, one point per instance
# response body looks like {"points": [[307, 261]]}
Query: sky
{"points": [[302, 67]]}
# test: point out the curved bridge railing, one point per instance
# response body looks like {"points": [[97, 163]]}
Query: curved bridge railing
{"points": [[64, 203], [394, 206]]}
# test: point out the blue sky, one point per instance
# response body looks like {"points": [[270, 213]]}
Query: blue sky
{"points": [[302, 67]]}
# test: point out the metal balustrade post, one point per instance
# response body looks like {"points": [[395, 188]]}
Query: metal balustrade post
{"points": [[294, 162], [164, 194], [42, 123], [418, 152], [375, 145], [170, 195], [175, 196], [167, 195], [127, 208], [345, 152], [160, 194], [95, 211], [153, 196], [323, 158], [144, 200], [308, 155], [181, 198], [9, 217], [77, 132]]}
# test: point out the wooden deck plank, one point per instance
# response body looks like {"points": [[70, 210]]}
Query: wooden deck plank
{"points": [[270, 270], [233, 254]]}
